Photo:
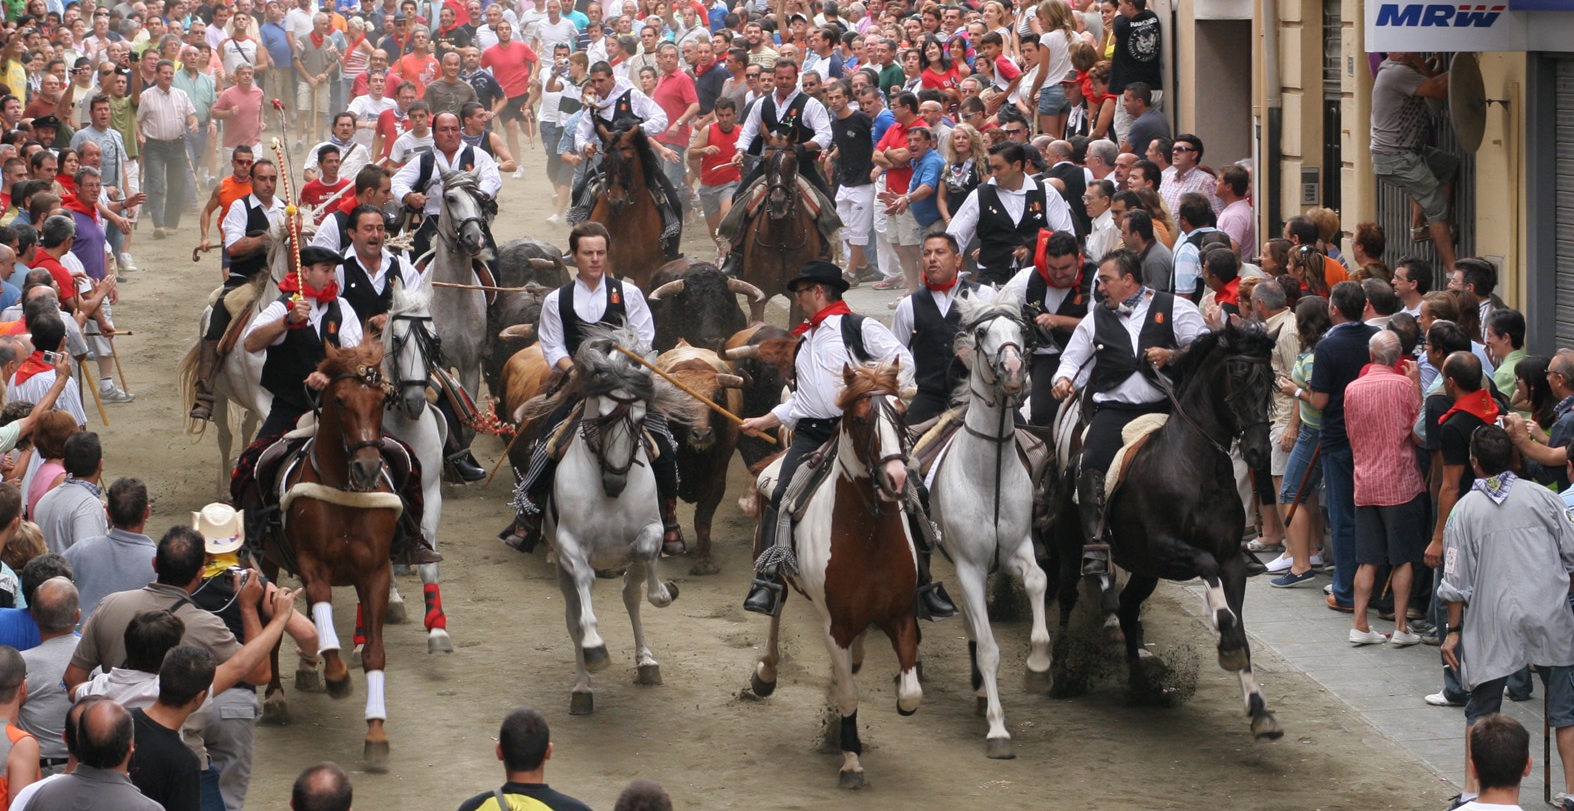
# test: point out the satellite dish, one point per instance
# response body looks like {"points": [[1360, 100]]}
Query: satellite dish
{"points": [[1467, 100]]}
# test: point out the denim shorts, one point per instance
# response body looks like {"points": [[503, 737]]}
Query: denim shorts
{"points": [[1300, 460], [1052, 99]]}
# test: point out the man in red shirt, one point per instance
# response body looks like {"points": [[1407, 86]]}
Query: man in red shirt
{"points": [[895, 159], [393, 123], [676, 96], [328, 184], [513, 64], [713, 150]]}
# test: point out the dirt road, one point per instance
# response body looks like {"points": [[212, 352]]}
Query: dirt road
{"points": [[710, 746]]}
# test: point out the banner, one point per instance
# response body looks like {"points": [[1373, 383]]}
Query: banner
{"points": [[1404, 25]]}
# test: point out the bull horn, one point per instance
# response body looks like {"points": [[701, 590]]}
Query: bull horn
{"points": [[672, 288], [749, 352], [755, 294], [538, 263], [517, 331], [729, 381]]}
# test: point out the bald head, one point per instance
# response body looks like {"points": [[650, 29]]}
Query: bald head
{"points": [[1384, 347], [1061, 150]]}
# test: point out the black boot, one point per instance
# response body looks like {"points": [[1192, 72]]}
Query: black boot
{"points": [[672, 543], [933, 602], [733, 267], [766, 593], [524, 534], [466, 466], [207, 366], [1090, 506]]}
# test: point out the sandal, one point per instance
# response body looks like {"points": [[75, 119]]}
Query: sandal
{"points": [[1257, 545], [1420, 233]]}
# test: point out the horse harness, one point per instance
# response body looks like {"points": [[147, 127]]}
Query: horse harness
{"points": [[1008, 403], [594, 431], [427, 340], [1230, 397]]}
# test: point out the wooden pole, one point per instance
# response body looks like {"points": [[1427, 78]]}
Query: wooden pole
{"points": [[488, 289], [87, 380], [734, 418], [119, 372]]}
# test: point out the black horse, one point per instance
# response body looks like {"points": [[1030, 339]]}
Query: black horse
{"points": [[1176, 513]]}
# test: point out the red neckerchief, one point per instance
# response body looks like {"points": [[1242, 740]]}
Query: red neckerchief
{"points": [[294, 283], [34, 365], [1478, 403], [1229, 293], [351, 46], [68, 183], [942, 288], [1043, 273], [75, 204], [5, 202], [318, 39], [698, 71], [835, 308], [449, 30], [349, 204]]}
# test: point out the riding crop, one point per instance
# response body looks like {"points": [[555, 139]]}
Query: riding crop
{"points": [[714, 406]]}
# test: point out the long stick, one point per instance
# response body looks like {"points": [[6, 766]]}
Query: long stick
{"points": [[1300, 492], [487, 289], [518, 432], [120, 373], [734, 418], [87, 377]]}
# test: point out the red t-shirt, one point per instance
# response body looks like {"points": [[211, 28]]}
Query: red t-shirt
{"points": [[390, 126], [417, 70], [315, 192], [717, 169], [674, 93], [510, 65], [897, 179], [63, 280], [933, 80]]}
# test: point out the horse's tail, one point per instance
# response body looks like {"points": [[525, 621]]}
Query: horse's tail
{"points": [[186, 375]]}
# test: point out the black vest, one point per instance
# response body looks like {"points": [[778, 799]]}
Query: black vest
{"points": [[1113, 359], [789, 123], [573, 326], [623, 113], [248, 267], [1076, 183], [287, 365], [999, 235], [1075, 304], [361, 293], [936, 368], [429, 165], [343, 220]]}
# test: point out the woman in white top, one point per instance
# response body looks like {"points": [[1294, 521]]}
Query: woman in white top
{"points": [[1054, 59]]}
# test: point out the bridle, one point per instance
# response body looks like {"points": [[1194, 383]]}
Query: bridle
{"points": [[371, 377], [881, 409], [1232, 398], [994, 365], [426, 341], [450, 238], [595, 430], [617, 162], [778, 179]]}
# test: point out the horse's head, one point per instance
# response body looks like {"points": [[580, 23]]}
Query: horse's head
{"points": [[617, 392], [414, 348], [621, 150], [464, 211], [993, 341], [872, 426], [781, 175], [352, 411], [1248, 349]]}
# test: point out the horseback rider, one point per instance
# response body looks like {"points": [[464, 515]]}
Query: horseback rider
{"points": [[1119, 351], [419, 183], [247, 230], [592, 298], [926, 322], [1055, 291], [791, 112], [832, 337], [1006, 214], [615, 104], [372, 188]]}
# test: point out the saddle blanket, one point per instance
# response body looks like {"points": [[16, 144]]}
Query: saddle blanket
{"points": [[1132, 437]]}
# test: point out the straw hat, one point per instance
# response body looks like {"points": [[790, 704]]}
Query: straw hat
{"points": [[222, 526]]}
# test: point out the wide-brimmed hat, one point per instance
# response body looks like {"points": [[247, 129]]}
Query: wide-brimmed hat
{"points": [[223, 528], [819, 271]]}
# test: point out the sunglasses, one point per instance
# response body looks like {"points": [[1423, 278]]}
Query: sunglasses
{"points": [[1182, 149]]}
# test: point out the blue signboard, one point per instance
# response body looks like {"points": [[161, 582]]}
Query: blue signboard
{"points": [[1541, 5]]}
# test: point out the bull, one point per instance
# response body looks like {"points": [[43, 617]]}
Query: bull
{"points": [[538, 268], [693, 301], [705, 439], [762, 355]]}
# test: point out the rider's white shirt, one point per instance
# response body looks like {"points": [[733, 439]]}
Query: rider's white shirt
{"points": [[819, 368], [390, 262], [1053, 298], [902, 320], [352, 157], [487, 177], [234, 226], [649, 112], [349, 324], [1186, 322], [1057, 213], [815, 117], [590, 305]]}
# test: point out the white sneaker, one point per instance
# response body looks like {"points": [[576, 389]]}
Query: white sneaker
{"points": [[1437, 699], [1282, 563], [519, 174], [1404, 639], [1316, 561], [1328, 589], [554, 220], [115, 394], [126, 263], [1368, 638]]}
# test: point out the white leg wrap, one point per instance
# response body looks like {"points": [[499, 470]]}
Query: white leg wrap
{"points": [[328, 638], [376, 707]]}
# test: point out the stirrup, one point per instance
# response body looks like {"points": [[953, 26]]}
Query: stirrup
{"points": [[202, 409], [933, 603], [765, 597]]}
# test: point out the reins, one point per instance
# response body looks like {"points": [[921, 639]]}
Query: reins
{"points": [[1163, 383]]}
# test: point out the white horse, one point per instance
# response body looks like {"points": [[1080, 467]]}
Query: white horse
{"points": [[412, 347], [460, 314], [608, 515], [981, 497]]}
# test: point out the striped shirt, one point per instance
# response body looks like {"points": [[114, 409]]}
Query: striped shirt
{"points": [[1380, 407]]}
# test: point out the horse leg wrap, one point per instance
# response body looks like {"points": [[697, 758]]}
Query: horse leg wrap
{"points": [[376, 704], [435, 618], [359, 637], [328, 638]]}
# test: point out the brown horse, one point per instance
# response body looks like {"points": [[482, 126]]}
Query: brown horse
{"points": [[855, 561], [626, 206], [339, 513], [776, 245]]}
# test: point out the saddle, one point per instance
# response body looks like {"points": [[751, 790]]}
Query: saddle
{"points": [[1133, 437], [239, 303]]}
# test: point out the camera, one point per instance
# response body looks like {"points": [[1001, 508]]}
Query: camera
{"points": [[244, 574], [52, 358]]}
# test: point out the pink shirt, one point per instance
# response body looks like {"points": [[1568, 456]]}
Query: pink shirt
{"points": [[674, 93], [246, 125], [510, 65], [1236, 220], [1380, 409], [43, 477]]}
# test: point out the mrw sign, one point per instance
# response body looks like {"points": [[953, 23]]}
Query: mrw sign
{"points": [[1411, 26]]}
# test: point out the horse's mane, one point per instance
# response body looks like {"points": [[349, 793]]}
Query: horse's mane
{"points": [[351, 360], [641, 143], [461, 179], [409, 301], [974, 311], [1242, 337], [598, 369], [868, 377]]}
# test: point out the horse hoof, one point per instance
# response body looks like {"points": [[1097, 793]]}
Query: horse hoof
{"points": [[1037, 682], [596, 658], [704, 567], [438, 642], [902, 712], [851, 781], [761, 687], [581, 703], [649, 675], [980, 706], [275, 710], [999, 749], [308, 680], [672, 592], [354, 659], [1234, 661], [1266, 728], [376, 756], [341, 688], [396, 615], [857, 666]]}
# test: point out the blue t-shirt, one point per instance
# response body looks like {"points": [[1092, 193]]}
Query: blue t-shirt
{"points": [[277, 41], [926, 172], [17, 628], [883, 122]]}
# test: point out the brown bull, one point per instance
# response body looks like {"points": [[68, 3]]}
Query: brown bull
{"points": [[705, 439]]}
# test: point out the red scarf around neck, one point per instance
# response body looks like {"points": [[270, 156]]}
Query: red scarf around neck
{"points": [[942, 288], [75, 203], [34, 365], [318, 39], [834, 308], [294, 283], [1479, 403]]}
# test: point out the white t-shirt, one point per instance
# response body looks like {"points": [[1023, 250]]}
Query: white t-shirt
{"points": [[410, 145], [365, 109], [1477, 805], [1058, 45], [550, 34]]}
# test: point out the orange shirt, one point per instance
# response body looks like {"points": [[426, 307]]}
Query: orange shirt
{"points": [[231, 190], [417, 70], [1334, 272]]}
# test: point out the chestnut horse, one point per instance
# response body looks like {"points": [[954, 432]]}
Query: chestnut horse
{"points": [[855, 561], [626, 207], [782, 236], [339, 513]]}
